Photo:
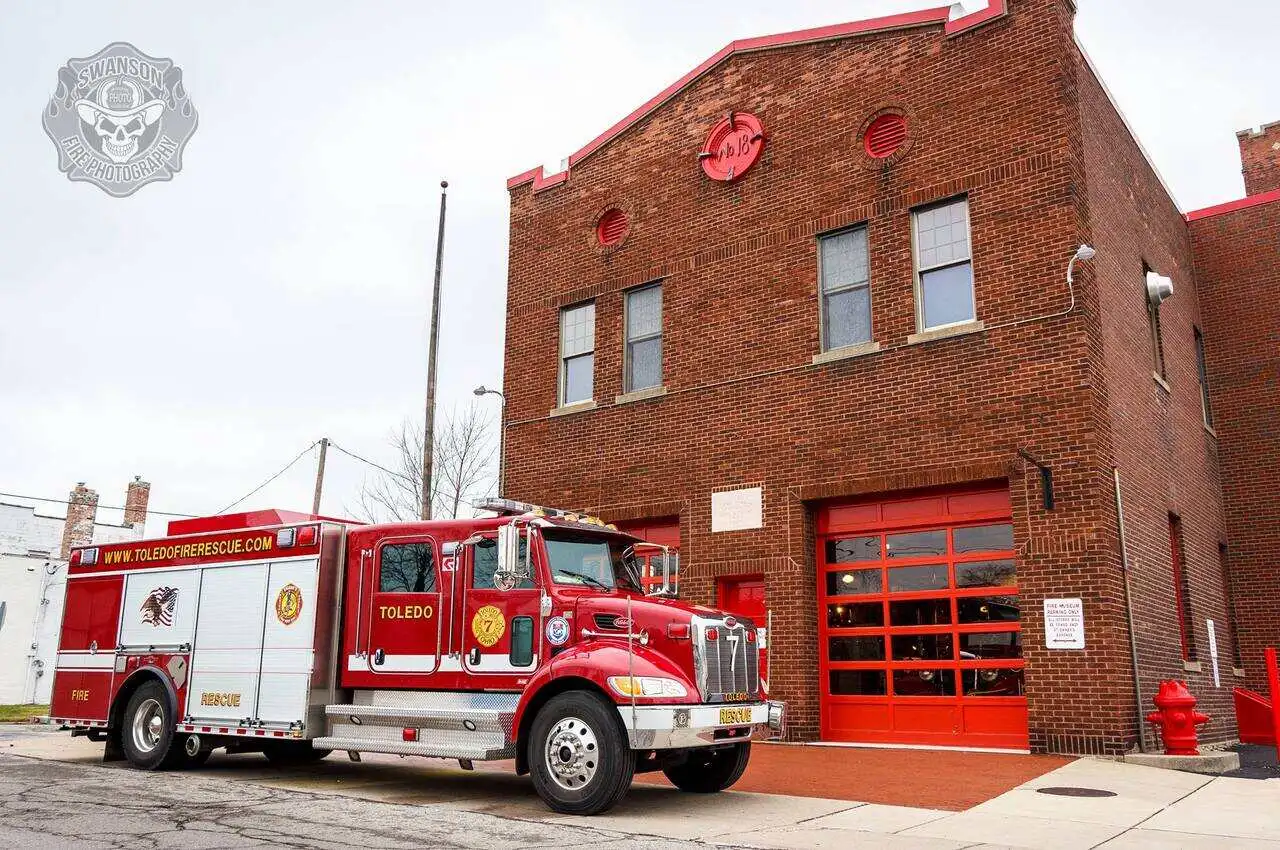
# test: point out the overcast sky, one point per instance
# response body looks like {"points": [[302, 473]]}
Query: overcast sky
{"points": [[204, 331]]}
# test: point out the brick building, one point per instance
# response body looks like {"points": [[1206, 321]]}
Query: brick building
{"points": [[806, 315]]}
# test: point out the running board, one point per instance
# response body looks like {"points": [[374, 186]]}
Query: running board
{"points": [[432, 749]]}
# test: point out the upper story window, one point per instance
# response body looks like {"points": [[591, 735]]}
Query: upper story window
{"points": [[1203, 369], [577, 353], [944, 265], [1153, 322], [407, 568], [1182, 591], [845, 275], [643, 353]]}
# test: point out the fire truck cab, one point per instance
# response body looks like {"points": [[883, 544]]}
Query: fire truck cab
{"points": [[523, 636]]}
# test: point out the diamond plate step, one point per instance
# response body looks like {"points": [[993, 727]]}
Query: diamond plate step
{"points": [[459, 720]]}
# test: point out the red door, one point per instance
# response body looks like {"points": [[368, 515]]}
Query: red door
{"points": [[82, 681], [919, 634]]}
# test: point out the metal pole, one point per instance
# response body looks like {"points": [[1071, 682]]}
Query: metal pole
{"points": [[502, 446], [1128, 610], [429, 433], [315, 501]]}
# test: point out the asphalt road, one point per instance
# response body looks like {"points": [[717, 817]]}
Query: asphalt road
{"points": [[69, 806]]}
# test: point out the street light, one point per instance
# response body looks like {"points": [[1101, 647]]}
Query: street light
{"points": [[480, 392]]}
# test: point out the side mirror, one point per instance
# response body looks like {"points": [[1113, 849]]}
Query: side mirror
{"points": [[511, 572], [670, 583]]}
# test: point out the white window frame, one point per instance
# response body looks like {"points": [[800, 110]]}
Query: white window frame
{"points": [[563, 365], [1202, 377], [919, 271], [627, 341], [823, 293]]}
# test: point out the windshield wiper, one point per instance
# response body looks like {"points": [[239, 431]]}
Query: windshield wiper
{"points": [[585, 578]]}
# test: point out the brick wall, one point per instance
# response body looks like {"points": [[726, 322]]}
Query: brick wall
{"points": [[995, 114], [1260, 159], [1238, 266], [1168, 461]]}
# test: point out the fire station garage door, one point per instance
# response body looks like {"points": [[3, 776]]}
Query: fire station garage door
{"points": [[919, 636]]}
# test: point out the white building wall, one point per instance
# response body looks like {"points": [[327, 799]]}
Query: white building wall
{"points": [[32, 590]]}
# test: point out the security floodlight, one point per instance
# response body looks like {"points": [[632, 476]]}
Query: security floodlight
{"points": [[1159, 288], [1084, 252]]}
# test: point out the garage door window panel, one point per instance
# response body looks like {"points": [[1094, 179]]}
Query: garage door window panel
{"points": [[857, 683], [855, 582], [924, 683], [992, 682]]}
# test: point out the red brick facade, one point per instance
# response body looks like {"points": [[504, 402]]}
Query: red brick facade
{"points": [[1006, 114], [1237, 256], [1260, 157]]}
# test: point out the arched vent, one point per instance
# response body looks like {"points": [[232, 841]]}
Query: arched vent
{"points": [[612, 227], [886, 136]]}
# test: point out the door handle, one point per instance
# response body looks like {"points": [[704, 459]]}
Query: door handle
{"points": [[379, 656], [474, 657]]}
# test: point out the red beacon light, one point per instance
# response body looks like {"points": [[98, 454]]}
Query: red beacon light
{"points": [[307, 535], [287, 538]]}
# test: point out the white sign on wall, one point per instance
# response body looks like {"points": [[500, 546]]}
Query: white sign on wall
{"points": [[1064, 624], [737, 510], [1213, 653]]}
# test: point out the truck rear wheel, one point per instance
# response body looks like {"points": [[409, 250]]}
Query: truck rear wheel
{"points": [[578, 755], [708, 771], [147, 734]]}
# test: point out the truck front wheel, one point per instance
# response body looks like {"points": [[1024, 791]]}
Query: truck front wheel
{"points": [[707, 771], [578, 755], [147, 735]]}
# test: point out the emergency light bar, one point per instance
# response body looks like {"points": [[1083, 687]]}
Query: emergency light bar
{"points": [[511, 507]]}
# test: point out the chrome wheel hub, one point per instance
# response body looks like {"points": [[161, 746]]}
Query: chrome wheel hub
{"points": [[572, 754], [148, 725]]}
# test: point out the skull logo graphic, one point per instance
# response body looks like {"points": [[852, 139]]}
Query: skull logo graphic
{"points": [[119, 116]]}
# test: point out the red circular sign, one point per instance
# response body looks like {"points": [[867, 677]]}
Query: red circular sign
{"points": [[733, 147]]}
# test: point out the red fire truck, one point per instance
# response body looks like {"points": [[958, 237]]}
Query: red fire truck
{"points": [[526, 635]]}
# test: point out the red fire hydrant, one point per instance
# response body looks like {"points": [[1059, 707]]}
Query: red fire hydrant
{"points": [[1177, 719]]}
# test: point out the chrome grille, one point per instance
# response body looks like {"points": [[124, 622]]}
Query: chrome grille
{"points": [[728, 665]]}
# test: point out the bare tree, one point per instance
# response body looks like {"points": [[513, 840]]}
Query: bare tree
{"points": [[465, 455]]}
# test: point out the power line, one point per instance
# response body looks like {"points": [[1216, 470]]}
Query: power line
{"points": [[103, 507], [371, 463], [286, 468]]}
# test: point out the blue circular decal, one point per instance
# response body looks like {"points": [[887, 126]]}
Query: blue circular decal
{"points": [[557, 631]]}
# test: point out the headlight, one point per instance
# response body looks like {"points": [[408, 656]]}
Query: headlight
{"points": [[646, 686]]}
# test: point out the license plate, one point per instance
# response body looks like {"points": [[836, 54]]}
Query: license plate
{"points": [[730, 716]]}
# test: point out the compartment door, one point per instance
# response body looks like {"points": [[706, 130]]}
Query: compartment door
{"points": [[288, 653], [227, 654]]}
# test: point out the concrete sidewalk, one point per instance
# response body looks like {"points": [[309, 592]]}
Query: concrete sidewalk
{"points": [[1149, 807]]}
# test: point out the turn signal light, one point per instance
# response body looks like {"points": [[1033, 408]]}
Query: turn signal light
{"points": [[713, 634], [678, 631]]}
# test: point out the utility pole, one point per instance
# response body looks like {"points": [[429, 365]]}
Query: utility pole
{"points": [[315, 502], [429, 433]]}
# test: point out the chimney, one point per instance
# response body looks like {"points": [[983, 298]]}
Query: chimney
{"points": [[82, 510], [1260, 156], [135, 502]]}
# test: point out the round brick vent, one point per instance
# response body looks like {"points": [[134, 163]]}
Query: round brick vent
{"points": [[612, 227], [886, 135]]}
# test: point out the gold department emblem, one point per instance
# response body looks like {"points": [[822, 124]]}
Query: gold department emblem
{"points": [[488, 625], [289, 604]]}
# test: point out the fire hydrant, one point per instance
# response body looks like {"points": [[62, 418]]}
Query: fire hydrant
{"points": [[1177, 719]]}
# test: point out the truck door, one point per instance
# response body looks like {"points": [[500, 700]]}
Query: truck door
{"points": [[404, 609], [501, 630]]}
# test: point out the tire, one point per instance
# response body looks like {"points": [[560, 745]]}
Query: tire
{"points": [[293, 753], [578, 754], [709, 771], [147, 733]]}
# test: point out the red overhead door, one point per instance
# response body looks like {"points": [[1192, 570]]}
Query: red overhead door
{"points": [[662, 532], [919, 636]]}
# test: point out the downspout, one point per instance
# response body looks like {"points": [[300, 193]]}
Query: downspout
{"points": [[1128, 611]]}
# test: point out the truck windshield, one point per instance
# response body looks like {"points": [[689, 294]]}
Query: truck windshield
{"points": [[590, 560]]}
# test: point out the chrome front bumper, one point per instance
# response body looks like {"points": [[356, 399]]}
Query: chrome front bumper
{"points": [[667, 727]]}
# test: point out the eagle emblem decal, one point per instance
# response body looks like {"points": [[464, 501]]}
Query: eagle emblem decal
{"points": [[157, 608]]}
